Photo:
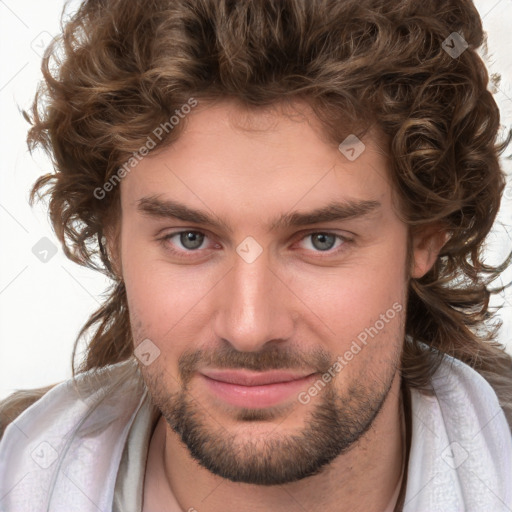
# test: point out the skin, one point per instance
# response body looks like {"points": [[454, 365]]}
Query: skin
{"points": [[295, 306]]}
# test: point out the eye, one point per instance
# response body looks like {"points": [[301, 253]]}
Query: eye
{"points": [[321, 241], [185, 241]]}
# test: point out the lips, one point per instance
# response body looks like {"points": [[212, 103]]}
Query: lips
{"points": [[254, 390], [250, 378]]}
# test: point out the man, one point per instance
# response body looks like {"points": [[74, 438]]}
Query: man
{"points": [[291, 198]]}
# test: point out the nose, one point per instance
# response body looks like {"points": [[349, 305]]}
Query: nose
{"points": [[254, 306]]}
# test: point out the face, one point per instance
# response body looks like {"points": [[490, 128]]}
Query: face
{"points": [[266, 278]]}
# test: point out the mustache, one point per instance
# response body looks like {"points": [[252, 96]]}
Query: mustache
{"points": [[270, 358]]}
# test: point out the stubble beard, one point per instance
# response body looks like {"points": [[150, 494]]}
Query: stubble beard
{"points": [[333, 425]]}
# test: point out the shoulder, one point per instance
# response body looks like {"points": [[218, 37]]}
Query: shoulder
{"points": [[459, 389], [62, 432], [461, 444], [12, 406], [87, 386], [476, 376], [462, 386]]}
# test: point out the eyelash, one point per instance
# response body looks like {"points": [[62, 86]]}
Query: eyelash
{"points": [[330, 252]]}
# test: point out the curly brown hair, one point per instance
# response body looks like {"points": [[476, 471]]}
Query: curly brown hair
{"points": [[117, 72]]}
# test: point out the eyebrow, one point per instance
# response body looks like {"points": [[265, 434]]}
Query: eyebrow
{"points": [[155, 207]]}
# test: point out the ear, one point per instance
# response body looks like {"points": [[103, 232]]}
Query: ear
{"points": [[427, 242]]}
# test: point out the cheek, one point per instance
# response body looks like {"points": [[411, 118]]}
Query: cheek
{"points": [[349, 299], [366, 322], [164, 300]]}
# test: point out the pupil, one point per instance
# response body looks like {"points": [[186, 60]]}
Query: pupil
{"points": [[323, 239], [191, 239]]}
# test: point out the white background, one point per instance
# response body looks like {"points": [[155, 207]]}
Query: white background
{"points": [[43, 305]]}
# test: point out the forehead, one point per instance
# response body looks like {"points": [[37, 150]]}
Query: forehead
{"points": [[275, 157]]}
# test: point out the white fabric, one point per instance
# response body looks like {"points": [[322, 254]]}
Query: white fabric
{"points": [[69, 452], [62, 453], [461, 450]]}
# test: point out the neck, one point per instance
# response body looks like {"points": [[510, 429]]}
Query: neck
{"points": [[363, 479]]}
